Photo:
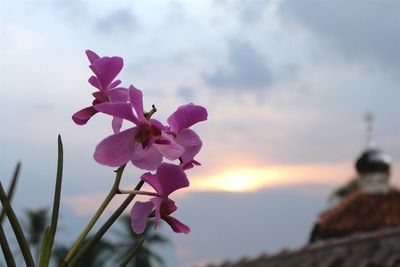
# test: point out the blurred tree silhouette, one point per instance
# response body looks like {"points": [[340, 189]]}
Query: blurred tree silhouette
{"points": [[36, 222], [128, 240], [96, 257]]}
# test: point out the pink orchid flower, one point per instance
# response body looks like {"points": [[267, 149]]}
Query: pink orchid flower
{"points": [[144, 145], [106, 70], [180, 121], [168, 178]]}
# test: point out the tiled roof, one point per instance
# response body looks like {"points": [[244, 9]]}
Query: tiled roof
{"points": [[359, 212], [372, 249]]}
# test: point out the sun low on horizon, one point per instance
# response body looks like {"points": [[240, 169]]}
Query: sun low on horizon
{"points": [[236, 180], [250, 179]]}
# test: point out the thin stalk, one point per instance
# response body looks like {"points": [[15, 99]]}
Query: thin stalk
{"points": [[74, 249], [153, 110], [125, 261], [11, 189], [137, 192], [104, 228], [6, 249], [48, 245], [23, 244], [45, 249]]}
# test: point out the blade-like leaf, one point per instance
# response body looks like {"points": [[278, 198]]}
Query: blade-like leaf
{"points": [[16, 226], [11, 189], [44, 248], [56, 207], [6, 249]]}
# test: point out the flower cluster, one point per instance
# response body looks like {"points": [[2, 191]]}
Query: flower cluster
{"points": [[146, 144]]}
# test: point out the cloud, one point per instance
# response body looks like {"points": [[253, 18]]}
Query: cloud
{"points": [[175, 14], [249, 12], [121, 21], [360, 30], [187, 93], [72, 10], [247, 69]]}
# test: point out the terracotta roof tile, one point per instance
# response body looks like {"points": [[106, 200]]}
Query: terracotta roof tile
{"points": [[359, 212], [371, 249]]}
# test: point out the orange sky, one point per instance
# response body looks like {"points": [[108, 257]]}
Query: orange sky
{"points": [[245, 179]]}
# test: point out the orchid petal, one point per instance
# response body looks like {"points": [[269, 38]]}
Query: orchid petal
{"points": [[176, 225], [114, 84], [118, 94], [188, 165], [168, 207], [152, 180], [158, 125], [168, 178], [119, 109], [187, 115], [136, 99], [106, 69], [117, 149], [92, 56], [100, 97], [116, 124], [157, 202], [95, 82], [191, 142], [148, 158], [139, 214], [171, 178], [168, 147], [83, 116]]}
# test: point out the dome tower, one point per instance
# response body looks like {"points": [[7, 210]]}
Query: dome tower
{"points": [[373, 165]]}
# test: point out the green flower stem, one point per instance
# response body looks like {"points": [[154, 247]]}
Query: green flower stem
{"points": [[6, 249], [23, 244], [74, 249], [104, 228], [125, 261], [148, 115], [11, 189], [48, 240], [137, 192]]}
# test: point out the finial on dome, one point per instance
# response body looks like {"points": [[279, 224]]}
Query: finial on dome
{"points": [[373, 166], [369, 120]]}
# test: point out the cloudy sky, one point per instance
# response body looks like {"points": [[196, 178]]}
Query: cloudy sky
{"points": [[286, 84]]}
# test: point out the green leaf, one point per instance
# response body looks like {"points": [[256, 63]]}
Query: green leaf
{"points": [[6, 249], [51, 232], [16, 226], [3, 239], [11, 189], [44, 248]]}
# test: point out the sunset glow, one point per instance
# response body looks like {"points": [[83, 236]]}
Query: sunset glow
{"points": [[252, 179], [239, 180]]}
